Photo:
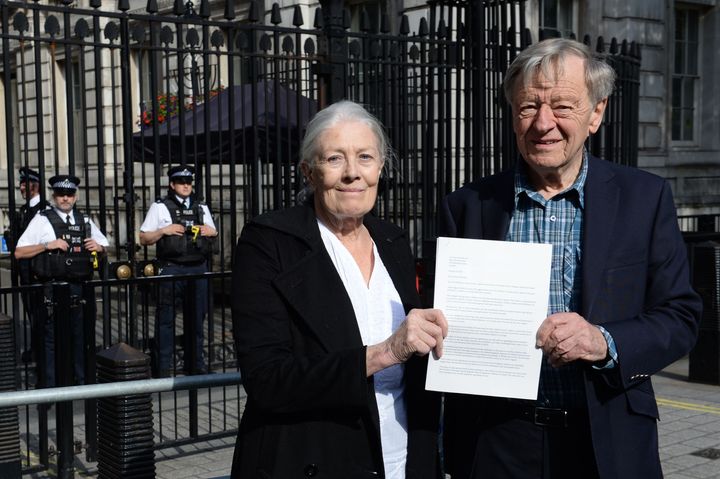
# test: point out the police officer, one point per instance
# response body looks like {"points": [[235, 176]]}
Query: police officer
{"points": [[61, 242], [30, 192], [183, 229]]}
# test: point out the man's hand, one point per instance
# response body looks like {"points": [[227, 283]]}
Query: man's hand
{"points": [[567, 337], [173, 229], [206, 230], [92, 245], [59, 243]]}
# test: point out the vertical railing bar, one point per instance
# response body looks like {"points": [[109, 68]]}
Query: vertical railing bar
{"points": [[277, 157], [231, 156], [69, 95]]}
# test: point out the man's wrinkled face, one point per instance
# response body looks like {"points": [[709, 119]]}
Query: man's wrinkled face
{"points": [[552, 117]]}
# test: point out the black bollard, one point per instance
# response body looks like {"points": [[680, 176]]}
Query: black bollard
{"points": [[10, 465], [704, 363], [125, 423]]}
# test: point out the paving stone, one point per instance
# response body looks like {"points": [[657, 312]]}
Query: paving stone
{"points": [[679, 476], [688, 461], [705, 471], [677, 450]]}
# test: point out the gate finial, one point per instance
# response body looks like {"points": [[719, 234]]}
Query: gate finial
{"points": [[297, 17], [229, 10], [253, 14]]}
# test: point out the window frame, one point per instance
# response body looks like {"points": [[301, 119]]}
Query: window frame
{"points": [[694, 141], [561, 5]]}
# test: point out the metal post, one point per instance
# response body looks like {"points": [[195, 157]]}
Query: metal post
{"points": [[335, 76], [10, 465], [42, 373], [89, 317], [63, 377], [476, 37], [190, 343], [129, 171]]}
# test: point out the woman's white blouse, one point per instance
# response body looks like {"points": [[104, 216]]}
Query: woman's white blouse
{"points": [[379, 312]]}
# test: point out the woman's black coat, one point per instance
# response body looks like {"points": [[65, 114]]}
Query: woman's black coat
{"points": [[311, 410]]}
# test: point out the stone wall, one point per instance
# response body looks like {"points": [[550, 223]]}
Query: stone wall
{"points": [[693, 170]]}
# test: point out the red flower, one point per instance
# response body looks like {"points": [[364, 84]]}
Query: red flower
{"points": [[169, 106]]}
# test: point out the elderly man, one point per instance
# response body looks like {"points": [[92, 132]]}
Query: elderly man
{"points": [[621, 306], [61, 242], [184, 231]]}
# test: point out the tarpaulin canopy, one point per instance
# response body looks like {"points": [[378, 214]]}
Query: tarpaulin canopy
{"points": [[269, 120]]}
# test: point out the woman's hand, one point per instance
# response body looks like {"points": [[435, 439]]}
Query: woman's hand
{"points": [[422, 331]]}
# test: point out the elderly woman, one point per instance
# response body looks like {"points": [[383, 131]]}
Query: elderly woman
{"points": [[329, 345]]}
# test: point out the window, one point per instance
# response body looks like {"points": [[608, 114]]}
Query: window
{"points": [[78, 113], [246, 66], [374, 10], [147, 60], [556, 18], [13, 121], [685, 74], [77, 88]]}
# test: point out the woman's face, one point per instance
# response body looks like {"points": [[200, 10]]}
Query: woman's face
{"points": [[346, 170]]}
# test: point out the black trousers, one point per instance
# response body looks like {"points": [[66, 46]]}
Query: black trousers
{"points": [[76, 336], [510, 446]]}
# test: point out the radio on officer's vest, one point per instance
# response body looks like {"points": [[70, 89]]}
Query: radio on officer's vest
{"points": [[88, 235]]}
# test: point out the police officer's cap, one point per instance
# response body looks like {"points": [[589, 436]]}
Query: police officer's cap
{"points": [[181, 173], [26, 174], [64, 184]]}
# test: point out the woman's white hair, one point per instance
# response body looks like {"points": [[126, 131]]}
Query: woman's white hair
{"points": [[344, 110]]}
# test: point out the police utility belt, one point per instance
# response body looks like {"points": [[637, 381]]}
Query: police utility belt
{"points": [[76, 263]]}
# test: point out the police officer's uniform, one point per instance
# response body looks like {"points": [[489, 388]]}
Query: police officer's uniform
{"points": [[72, 266], [18, 224], [21, 220], [177, 255]]}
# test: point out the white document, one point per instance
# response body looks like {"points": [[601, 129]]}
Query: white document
{"points": [[495, 296]]}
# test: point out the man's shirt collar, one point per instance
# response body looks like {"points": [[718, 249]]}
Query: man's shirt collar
{"points": [[524, 187]]}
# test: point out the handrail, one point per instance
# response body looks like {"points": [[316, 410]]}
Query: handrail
{"points": [[126, 388], [118, 282]]}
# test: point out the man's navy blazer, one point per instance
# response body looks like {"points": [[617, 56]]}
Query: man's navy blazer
{"points": [[635, 283]]}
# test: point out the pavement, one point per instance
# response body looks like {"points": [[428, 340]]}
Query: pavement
{"points": [[689, 426], [689, 436]]}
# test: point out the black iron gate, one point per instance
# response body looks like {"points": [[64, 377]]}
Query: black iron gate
{"points": [[115, 95]]}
